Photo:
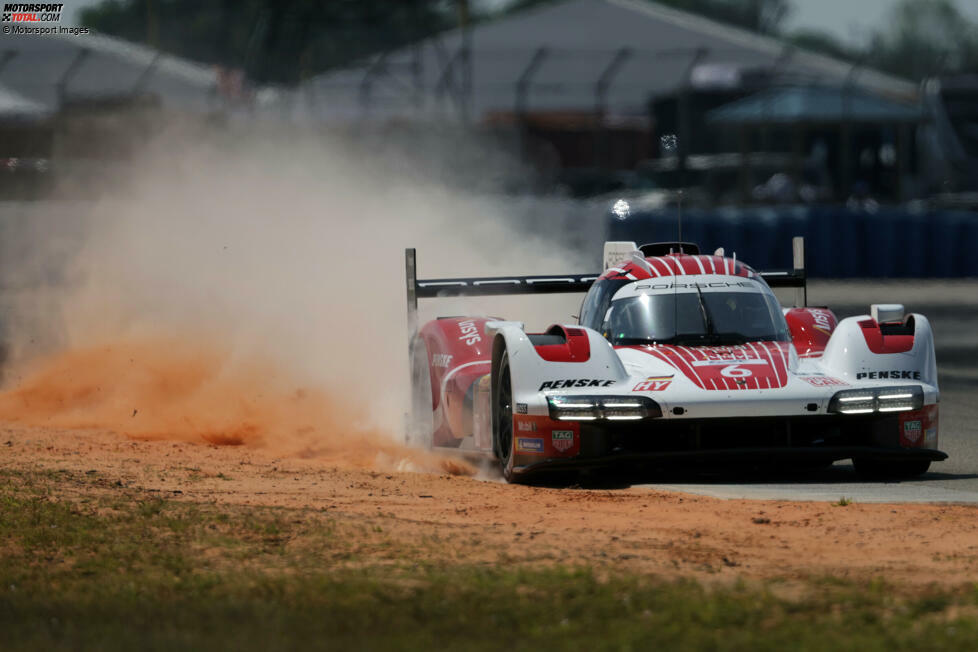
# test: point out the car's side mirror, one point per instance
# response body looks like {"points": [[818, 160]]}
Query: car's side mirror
{"points": [[883, 313]]}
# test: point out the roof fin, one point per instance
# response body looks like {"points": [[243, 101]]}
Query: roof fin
{"points": [[639, 260], [617, 253]]}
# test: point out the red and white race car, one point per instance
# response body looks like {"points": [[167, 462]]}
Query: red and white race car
{"points": [[677, 357]]}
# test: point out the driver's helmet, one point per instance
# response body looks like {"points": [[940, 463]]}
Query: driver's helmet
{"points": [[747, 310]]}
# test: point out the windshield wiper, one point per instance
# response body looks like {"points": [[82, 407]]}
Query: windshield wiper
{"points": [[707, 319]]}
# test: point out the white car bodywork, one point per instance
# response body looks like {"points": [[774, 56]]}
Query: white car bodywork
{"points": [[571, 396]]}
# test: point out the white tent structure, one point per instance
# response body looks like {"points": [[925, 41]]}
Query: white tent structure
{"points": [[608, 57], [16, 107], [53, 69]]}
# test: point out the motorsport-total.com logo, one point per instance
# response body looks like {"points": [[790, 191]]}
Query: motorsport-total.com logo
{"points": [[30, 12]]}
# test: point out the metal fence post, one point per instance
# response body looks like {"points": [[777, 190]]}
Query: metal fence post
{"points": [[798, 255]]}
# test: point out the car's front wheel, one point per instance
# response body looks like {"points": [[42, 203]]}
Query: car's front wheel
{"points": [[502, 418]]}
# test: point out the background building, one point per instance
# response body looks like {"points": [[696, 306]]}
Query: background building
{"points": [[591, 85]]}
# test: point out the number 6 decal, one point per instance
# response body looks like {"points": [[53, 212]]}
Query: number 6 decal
{"points": [[735, 371]]}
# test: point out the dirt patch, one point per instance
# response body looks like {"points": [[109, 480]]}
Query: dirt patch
{"points": [[166, 418], [171, 389], [444, 518]]}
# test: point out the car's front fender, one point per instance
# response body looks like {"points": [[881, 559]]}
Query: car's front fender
{"points": [[531, 374]]}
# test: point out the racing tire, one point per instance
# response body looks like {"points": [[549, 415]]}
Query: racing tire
{"points": [[502, 418], [876, 469], [421, 423]]}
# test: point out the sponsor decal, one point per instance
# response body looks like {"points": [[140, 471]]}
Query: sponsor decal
{"points": [[758, 365], [919, 428], [894, 375], [441, 360], [912, 431], [521, 408], [562, 440], [529, 445], [821, 319], [526, 426], [739, 353], [823, 381], [710, 363], [653, 384], [469, 332], [576, 382], [712, 284]]}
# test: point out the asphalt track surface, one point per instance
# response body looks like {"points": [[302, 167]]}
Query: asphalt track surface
{"points": [[952, 308]]}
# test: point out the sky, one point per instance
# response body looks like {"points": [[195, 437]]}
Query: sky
{"points": [[851, 21], [72, 8]]}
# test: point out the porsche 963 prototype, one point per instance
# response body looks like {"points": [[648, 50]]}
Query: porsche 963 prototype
{"points": [[677, 357]]}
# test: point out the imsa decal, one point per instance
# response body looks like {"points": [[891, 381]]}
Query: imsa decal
{"points": [[469, 332], [529, 445], [823, 322]]}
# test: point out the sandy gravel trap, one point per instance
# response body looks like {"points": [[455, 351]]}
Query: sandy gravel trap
{"points": [[478, 520]]}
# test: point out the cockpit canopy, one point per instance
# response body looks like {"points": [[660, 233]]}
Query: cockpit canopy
{"points": [[687, 310]]}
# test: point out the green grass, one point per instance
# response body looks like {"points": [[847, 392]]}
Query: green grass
{"points": [[115, 569]]}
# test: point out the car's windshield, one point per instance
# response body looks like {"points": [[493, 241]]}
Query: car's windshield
{"points": [[723, 318]]}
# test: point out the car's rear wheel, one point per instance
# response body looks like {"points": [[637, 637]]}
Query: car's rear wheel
{"points": [[502, 418], [421, 425], [877, 469]]}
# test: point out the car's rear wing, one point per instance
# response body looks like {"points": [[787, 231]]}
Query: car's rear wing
{"points": [[558, 283]]}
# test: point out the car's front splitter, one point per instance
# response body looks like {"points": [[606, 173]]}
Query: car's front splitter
{"points": [[724, 458]]}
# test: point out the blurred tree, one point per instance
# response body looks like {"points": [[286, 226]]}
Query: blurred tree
{"points": [[925, 38], [274, 41], [922, 38]]}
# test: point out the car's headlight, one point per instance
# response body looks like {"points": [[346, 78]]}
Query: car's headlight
{"points": [[898, 399], [612, 408], [854, 402], [885, 399]]}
